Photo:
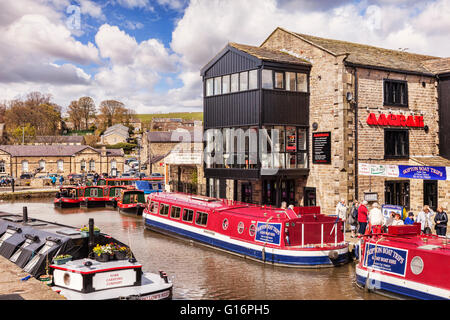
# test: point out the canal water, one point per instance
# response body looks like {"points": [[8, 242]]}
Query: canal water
{"points": [[203, 273]]}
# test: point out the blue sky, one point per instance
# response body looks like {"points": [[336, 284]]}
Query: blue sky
{"points": [[148, 53]]}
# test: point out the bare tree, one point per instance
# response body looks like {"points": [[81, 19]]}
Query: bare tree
{"points": [[87, 110]]}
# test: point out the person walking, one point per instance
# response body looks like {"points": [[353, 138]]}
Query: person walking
{"points": [[362, 217], [341, 212], [424, 218], [353, 218], [440, 220], [375, 218]]}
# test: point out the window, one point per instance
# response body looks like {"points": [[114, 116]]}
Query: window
{"points": [[226, 84], [396, 143], [290, 81], [279, 80], [92, 165], [2, 167], [60, 165], [113, 164], [83, 165], [243, 81], [267, 80], [209, 87], [42, 165], [253, 79], [240, 227], [188, 215], [164, 209], [202, 218], [395, 93], [175, 212], [153, 207], [24, 166], [302, 82], [252, 230], [225, 224], [218, 85], [397, 193], [234, 86]]}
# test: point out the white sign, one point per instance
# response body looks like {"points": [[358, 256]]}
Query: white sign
{"points": [[184, 158], [113, 279]]}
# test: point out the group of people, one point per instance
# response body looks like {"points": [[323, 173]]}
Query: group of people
{"points": [[360, 218]]}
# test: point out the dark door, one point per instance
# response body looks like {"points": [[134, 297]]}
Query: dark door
{"points": [[246, 192], [309, 197], [430, 193], [397, 193]]}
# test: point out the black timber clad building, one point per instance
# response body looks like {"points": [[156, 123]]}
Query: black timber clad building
{"points": [[254, 89]]}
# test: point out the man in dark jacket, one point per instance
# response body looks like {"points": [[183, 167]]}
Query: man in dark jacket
{"points": [[441, 220]]}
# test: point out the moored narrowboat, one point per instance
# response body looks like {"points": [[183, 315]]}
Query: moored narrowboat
{"points": [[132, 201], [67, 197], [93, 196], [402, 262], [71, 264], [302, 237], [113, 195]]}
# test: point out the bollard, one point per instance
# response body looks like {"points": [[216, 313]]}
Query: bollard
{"points": [[91, 243], [25, 214]]}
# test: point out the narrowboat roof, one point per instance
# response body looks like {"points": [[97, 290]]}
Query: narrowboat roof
{"points": [[223, 206]]}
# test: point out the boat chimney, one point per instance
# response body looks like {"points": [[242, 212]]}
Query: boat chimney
{"points": [[91, 234], [25, 214]]}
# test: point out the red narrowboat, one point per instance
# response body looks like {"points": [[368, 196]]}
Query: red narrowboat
{"points": [[299, 237], [113, 195], [132, 201], [67, 197], [402, 262], [93, 196]]}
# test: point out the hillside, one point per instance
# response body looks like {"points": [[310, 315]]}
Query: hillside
{"points": [[182, 115]]}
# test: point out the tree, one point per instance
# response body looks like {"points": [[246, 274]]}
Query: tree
{"points": [[23, 134], [113, 112], [86, 107], [75, 114]]}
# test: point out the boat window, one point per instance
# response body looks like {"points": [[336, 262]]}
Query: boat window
{"points": [[175, 212], [154, 207], [117, 192], [251, 230], [164, 209], [188, 215], [47, 246], [240, 227], [202, 218], [16, 255]]}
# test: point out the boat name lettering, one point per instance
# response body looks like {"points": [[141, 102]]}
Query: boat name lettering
{"points": [[388, 252], [386, 259]]}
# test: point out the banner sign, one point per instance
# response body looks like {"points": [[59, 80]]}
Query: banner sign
{"points": [[386, 259], [420, 172], [403, 171], [268, 233], [321, 153]]}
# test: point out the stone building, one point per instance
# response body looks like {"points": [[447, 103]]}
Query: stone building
{"points": [[60, 159], [350, 85], [178, 155], [117, 133]]}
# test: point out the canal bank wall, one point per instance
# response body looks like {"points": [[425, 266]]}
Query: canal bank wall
{"points": [[27, 194], [12, 287]]}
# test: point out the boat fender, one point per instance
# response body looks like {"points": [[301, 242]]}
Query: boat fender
{"points": [[333, 255]]}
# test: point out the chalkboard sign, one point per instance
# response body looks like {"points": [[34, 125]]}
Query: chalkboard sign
{"points": [[321, 143]]}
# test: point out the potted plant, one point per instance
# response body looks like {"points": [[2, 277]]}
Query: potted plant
{"points": [[102, 253], [85, 231], [62, 259], [120, 252]]}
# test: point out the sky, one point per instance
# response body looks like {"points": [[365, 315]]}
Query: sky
{"points": [[148, 53]]}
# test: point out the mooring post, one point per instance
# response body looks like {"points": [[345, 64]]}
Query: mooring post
{"points": [[91, 234], [25, 214]]}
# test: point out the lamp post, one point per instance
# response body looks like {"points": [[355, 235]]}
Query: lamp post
{"points": [[139, 156]]}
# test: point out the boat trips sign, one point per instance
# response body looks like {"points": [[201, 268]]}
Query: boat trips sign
{"points": [[268, 233], [386, 259]]}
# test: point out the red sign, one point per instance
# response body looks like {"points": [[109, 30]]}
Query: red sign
{"points": [[395, 120]]}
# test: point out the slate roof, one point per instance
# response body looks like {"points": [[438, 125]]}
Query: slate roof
{"points": [[59, 139], [52, 150], [266, 54], [438, 66], [366, 55]]}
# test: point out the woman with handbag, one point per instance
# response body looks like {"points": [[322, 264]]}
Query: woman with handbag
{"points": [[424, 218]]}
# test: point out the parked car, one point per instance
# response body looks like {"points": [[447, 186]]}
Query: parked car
{"points": [[133, 164], [127, 161], [156, 174], [26, 176], [126, 175]]}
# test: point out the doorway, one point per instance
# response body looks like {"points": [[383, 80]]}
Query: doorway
{"points": [[430, 193]]}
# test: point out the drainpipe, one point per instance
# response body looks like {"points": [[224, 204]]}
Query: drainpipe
{"points": [[356, 134]]}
